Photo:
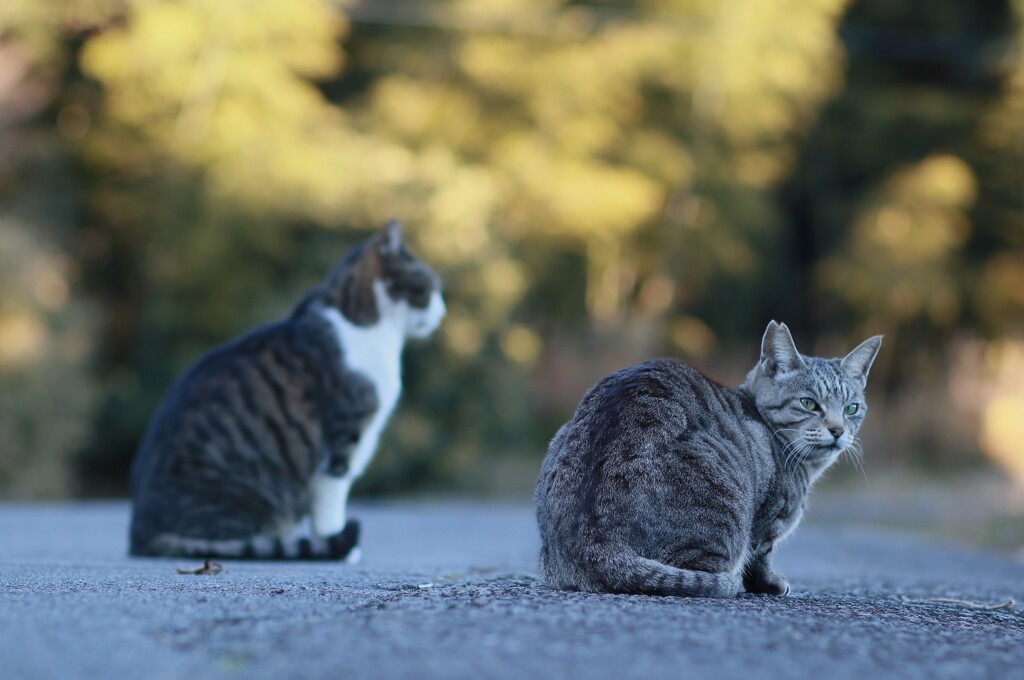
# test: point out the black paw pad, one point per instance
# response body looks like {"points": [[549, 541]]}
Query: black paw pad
{"points": [[343, 542]]}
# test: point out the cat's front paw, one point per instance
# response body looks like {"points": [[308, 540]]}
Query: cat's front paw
{"points": [[767, 584], [344, 545]]}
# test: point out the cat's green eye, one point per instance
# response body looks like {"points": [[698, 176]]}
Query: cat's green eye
{"points": [[851, 409], [809, 404]]}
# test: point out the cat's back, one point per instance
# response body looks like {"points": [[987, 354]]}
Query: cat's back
{"points": [[658, 417], [659, 398], [264, 375], [261, 350]]}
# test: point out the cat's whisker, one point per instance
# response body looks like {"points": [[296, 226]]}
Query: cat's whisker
{"points": [[787, 445], [796, 455], [788, 448], [859, 464], [804, 453], [855, 452], [788, 452]]}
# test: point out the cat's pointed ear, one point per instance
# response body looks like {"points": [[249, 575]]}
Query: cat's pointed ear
{"points": [[857, 363], [778, 351], [391, 238]]}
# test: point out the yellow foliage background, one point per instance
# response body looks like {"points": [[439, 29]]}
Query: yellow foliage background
{"points": [[597, 182]]}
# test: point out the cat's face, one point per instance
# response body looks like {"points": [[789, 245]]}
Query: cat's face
{"points": [[381, 281], [410, 284], [814, 406]]}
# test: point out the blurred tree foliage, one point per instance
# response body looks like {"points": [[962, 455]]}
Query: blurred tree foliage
{"points": [[893, 171], [598, 182]]}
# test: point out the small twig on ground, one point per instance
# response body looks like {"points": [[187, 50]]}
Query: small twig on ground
{"points": [[209, 567], [968, 604]]}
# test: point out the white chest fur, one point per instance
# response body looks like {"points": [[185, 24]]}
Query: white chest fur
{"points": [[375, 353]]}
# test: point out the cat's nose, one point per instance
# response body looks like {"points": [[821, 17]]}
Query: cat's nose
{"points": [[836, 432]]}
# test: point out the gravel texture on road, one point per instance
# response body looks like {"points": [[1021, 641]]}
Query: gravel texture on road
{"points": [[450, 590]]}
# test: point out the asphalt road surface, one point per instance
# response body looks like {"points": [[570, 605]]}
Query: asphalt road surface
{"points": [[450, 590]]}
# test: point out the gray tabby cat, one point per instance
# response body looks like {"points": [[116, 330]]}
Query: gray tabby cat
{"points": [[667, 483], [276, 425]]}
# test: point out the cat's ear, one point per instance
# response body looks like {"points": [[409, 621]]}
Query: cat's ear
{"points": [[390, 238], [778, 351], [857, 363]]}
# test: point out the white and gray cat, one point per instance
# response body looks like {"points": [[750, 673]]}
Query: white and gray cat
{"points": [[275, 426], [667, 483]]}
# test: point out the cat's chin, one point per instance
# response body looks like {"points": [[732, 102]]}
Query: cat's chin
{"points": [[421, 331], [826, 453], [425, 322]]}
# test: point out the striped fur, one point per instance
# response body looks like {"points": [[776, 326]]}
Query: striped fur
{"points": [[340, 546], [275, 426], [666, 483]]}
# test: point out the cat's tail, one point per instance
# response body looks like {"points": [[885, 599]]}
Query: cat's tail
{"points": [[343, 545], [628, 572]]}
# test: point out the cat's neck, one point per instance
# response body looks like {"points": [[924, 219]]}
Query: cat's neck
{"points": [[383, 340], [375, 351], [799, 472]]}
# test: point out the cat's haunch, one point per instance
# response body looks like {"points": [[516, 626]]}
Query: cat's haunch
{"points": [[665, 482]]}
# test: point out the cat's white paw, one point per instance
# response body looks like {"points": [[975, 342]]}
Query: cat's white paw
{"points": [[329, 499], [355, 556]]}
